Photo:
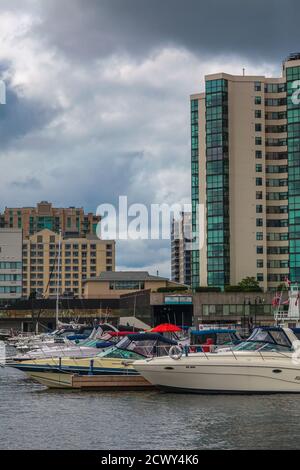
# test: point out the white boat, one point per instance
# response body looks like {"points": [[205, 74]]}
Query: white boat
{"points": [[100, 338], [266, 363]]}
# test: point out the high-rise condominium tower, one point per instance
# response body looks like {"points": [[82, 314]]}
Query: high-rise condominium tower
{"points": [[246, 173], [180, 248]]}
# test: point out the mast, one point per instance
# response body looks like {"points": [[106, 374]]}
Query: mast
{"points": [[58, 279], [134, 311]]}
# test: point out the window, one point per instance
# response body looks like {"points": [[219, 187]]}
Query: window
{"points": [[258, 140], [257, 113], [275, 87], [260, 277], [258, 168], [276, 183], [259, 209], [257, 100], [260, 263], [277, 237], [259, 222], [257, 86], [259, 250], [258, 154], [126, 285], [257, 127], [259, 181]]}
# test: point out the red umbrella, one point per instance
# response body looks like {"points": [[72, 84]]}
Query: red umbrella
{"points": [[166, 328]]}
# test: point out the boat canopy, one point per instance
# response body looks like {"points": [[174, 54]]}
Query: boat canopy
{"points": [[150, 337], [140, 345], [220, 336], [270, 335], [210, 332]]}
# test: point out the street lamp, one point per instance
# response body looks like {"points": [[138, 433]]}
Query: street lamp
{"points": [[258, 301], [247, 301]]}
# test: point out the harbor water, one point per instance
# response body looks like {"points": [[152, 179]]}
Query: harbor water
{"points": [[32, 417]]}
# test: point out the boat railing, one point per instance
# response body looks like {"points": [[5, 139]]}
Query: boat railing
{"points": [[214, 351], [218, 326], [282, 315]]}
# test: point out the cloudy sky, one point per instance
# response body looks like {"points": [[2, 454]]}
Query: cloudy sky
{"points": [[98, 96]]}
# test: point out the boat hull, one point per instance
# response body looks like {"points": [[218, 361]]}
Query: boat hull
{"points": [[80, 366], [217, 375], [52, 380]]}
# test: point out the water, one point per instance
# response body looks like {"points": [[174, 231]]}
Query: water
{"points": [[32, 417]]}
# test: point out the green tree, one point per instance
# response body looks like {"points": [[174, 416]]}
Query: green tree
{"points": [[250, 284]]}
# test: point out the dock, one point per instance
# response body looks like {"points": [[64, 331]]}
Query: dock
{"points": [[67, 381], [106, 382]]}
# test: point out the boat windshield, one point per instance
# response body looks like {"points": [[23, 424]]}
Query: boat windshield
{"points": [[117, 353], [142, 348], [259, 346], [267, 340], [273, 336]]}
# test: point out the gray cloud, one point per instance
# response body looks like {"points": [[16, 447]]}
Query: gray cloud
{"points": [[21, 116], [29, 183], [88, 30], [98, 96]]}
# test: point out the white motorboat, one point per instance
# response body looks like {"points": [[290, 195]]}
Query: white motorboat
{"points": [[267, 362]]}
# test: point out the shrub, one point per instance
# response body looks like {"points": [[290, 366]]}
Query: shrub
{"points": [[172, 289], [208, 289]]}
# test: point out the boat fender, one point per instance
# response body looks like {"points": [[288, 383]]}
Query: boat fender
{"points": [[175, 352]]}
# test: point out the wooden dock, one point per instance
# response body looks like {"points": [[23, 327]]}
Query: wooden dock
{"points": [[109, 382]]}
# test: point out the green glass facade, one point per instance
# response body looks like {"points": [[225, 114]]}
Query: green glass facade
{"points": [[293, 119], [195, 191], [217, 183]]}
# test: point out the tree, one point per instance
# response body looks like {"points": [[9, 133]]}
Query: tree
{"points": [[282, 287], [250, 284]]}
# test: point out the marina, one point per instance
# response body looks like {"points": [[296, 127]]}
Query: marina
{"points": [[210, 360]]}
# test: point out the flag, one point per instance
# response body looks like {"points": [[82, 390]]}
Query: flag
{"points": [[287, 281], [276, 300]]}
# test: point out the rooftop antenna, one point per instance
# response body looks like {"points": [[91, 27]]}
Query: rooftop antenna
{"points": [[243, 72]]}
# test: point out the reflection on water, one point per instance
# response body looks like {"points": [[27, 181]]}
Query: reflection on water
{"points": [[32, 417]]}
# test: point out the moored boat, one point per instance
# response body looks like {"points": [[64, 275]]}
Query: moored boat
{"points": [[265, 363], [116, 360]]}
